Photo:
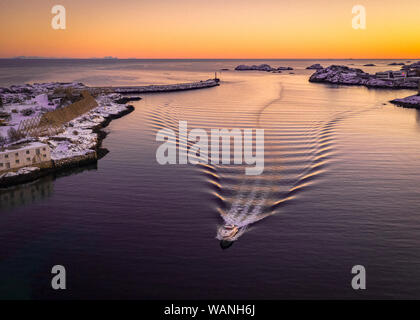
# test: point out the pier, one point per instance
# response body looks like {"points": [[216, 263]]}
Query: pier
{"points": [[157, 88]]}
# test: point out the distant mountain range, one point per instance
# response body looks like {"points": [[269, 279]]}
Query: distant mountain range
{"points": [[38, 57]]}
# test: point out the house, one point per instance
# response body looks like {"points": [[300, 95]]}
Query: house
{"points": [[383, 75], [398, 74], [391, 74], [34, 154]]}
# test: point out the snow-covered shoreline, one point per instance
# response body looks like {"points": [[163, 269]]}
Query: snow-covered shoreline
{"points": [[77, 144], [67, 152], [344, 75], [79, 141]]}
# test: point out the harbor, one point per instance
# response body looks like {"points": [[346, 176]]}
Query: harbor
{"points": [[70, 135]]}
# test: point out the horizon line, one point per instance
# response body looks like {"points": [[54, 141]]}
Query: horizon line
{"points": [[116, 58]]}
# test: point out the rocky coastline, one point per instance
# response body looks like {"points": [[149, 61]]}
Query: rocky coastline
{"points": [[315, 66], [343, 75], [79, 141], [408, 102], [262, 67], [89, 156]]}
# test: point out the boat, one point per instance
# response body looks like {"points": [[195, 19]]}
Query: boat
{"points": [[228, 231]]}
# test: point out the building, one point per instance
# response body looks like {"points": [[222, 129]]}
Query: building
{"points": [[383, 75], [391, 75], [34, 154]]}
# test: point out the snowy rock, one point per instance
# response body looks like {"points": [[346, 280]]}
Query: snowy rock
{"points": [[408, 102], [336, 74], [261, 67], [284, 68], [8, 174], [21, 171], [41, 100], [415, 65], [315, 66], [340, 75], [27, 170], [78, 136]]}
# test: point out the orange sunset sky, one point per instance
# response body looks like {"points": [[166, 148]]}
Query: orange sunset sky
{"points": [[210, 29]]}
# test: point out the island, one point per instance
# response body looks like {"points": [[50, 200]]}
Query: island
{"points": [[408, 102], [413, 66], [261, 67], [315, 66], [343, 75]]}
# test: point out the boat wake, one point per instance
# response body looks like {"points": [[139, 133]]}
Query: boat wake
{"points": [[297, 158], [300, 147]]}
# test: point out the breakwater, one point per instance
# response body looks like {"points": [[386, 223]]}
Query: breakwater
{"points": [[161, 88]]}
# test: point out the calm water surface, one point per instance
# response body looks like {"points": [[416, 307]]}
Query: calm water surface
{"points": [[340, 188]]}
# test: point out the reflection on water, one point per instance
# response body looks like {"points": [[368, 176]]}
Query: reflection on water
{"points": [[417, 111], [26, 194], [32, 192], [294, 163]]}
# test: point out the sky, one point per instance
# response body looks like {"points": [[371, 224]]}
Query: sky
{"points": [[230, 29]]}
